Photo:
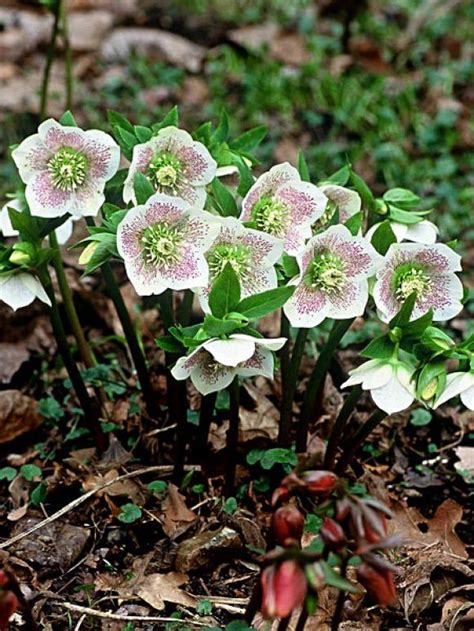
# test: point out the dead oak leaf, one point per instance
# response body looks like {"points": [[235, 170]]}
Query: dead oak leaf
{"points": [[177, 517], [18, 415], [156, 589]]}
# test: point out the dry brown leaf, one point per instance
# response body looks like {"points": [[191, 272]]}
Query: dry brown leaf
{"points": [[262, 421], [466, 462], [128, 488], [290, 48], [199, 550], [156, 589], [13, 356], [254, 36], [18, 415], [177, 517]]}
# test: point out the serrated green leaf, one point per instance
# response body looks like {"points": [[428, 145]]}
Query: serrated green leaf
{"points": [[303, 167], [383, 237], [142, 187], [354, 223], [258, 305], [117, 120], [171, 119], [144, 134], [222, 131], [215, 327], [380, 348], [225, 200], [402, 198], [68, 120], [128, 139], [363, 190], [249, 139], [340, 177], [225, 293], [403, 316]]}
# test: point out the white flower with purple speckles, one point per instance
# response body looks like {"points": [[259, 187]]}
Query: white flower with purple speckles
{"points": [[213, 365], [280, 204], [333, 281], [162, 244], [422, 232], [63, 233], [428, 271], [458, 383], [343, 200], [65, 169], [251, 253], [175, 165], [390, 383], [20, 289]]}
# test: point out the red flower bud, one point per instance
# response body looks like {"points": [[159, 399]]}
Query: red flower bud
{"points": [[3, 578], [332, 534], [379, 583], [375, 529], [8, 606], [319, 482], [280, 494], [283, 589], [287, 525]]}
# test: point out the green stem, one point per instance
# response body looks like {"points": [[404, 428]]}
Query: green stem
{"points": [[284, 622], [91, 415], [254, 602], [357, 440], [49, 60], [69, 307], [186, 308], [206, 413], [336, 433], [336, 619], [317, 380], [232, 435], [289, 386], [68, 55], [132, 340]]}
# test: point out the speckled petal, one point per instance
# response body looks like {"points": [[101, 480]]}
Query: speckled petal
{"points": [[307, 307]]}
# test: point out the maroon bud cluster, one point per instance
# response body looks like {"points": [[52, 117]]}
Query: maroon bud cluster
{"points": [[377, 578], [8, 601], [284, 589], [287, 525]]}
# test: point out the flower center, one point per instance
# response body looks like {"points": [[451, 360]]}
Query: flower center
{"points": [[327, 272], [68, 169], [270, 215], [328, 214], [239, 256], [411, 280], [164, 171], [161, 244]]}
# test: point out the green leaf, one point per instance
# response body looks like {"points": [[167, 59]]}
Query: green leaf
{"points": [[169, 344], [303, 167], [431, 380], [334, 579], [290, 265], [38, 494], [7, 473], [117, 120], [415, 328], [420, 417], [129, 513], [363, 190], [383, 237], [230, 506], [403, 316], [144, 134], [339, 178], [30, 471], [254, 456], [215, 327], [258, 305], [381, 347], [142, 187], [246, 178], [403, 216], [50, 408], [68, 120], [225, 200], [204, 607], [221, 133], [354, 223], [171, 119], [278, 455], [402, 198], [51, 224], [128, 140], [26, 225], [249, 139], [158, 486], [225, 293]]}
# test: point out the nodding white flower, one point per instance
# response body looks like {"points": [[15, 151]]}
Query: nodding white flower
{"points": [[63, 233], [213, 365], [343, 200], [162, 244], [251, 253], [427, 270], [422, 232], [280, 204], [175, 164], [458, 383], [389, 381], [65, 169], [333, 281], [19, 289]]}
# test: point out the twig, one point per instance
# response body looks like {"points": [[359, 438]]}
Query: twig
{"points": [[88, 611], [65, 509]]}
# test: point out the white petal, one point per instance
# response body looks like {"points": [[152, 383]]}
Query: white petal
{"points": [[221, 379], [230, 169], [261, 363], [184, 366], [231, 352], [20, 290], [273, 344], [30, 157], [423, 232], [64, 232], [101, 138], [455, 291], [350, 305], [348, 201], [6, 227], [393, 397], [467, 397], [399, 230], [374, 373], [456, 382], [46, 201], [35, 287]]}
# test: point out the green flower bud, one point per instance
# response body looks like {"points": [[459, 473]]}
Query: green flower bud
{"points": [[18, 257], [381, 208]]}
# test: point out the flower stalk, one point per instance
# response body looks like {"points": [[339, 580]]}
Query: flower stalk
{"points": [[289, 385], [339, 425], [357, 440], [232, 435], [317, 380]]}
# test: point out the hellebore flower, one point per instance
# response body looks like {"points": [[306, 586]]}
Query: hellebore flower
{"points": [[333, 281], [251, 253], [213, 365], [162, 244], [332, 534], [65, 169], [280, 204], [389, 381], [174, 164], [284, 589], [19, 289], [428, 271], [422, 232], [379, 583], [458, 383], [343, 200], [287, 525]]}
